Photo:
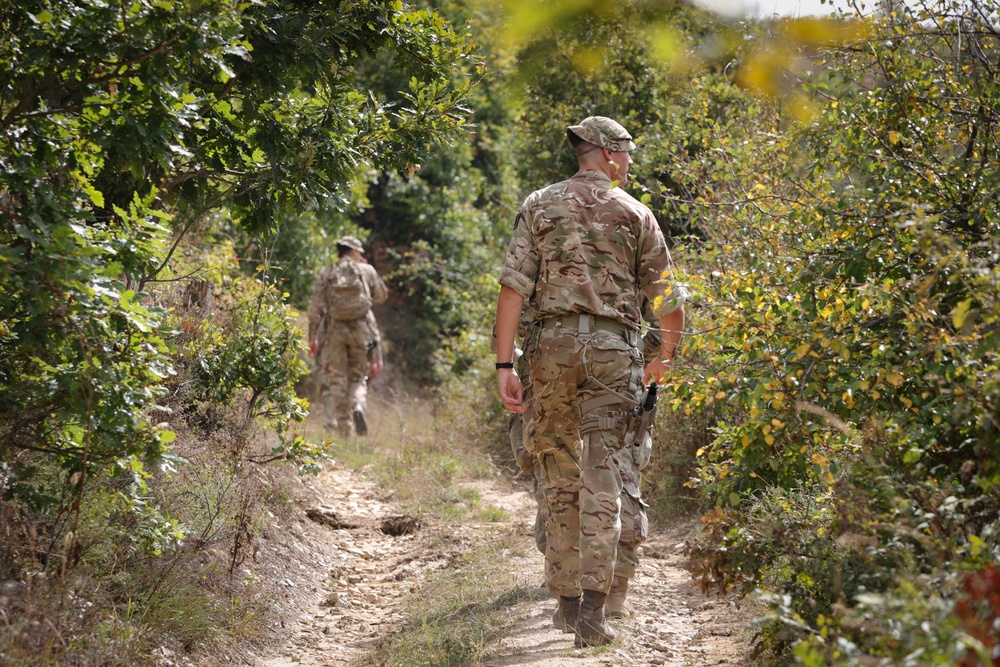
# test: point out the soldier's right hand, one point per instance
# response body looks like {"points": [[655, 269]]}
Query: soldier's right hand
{"points": [[313, 348], [509, 385], [657, 369]]}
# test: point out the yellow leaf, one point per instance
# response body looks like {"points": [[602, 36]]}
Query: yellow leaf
{"points": [[589, 62], [829, 31], [668, 45], [961, 313]]}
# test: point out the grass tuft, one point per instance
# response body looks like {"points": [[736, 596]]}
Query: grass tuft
{"points": [[461, 612]]}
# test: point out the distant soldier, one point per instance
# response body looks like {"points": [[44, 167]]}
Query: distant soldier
{"points": [[344, 336], [583, 255]]}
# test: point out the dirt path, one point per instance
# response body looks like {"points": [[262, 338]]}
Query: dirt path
{"points": [[348, 582]]}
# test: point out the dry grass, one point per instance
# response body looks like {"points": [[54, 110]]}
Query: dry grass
{"points": [[127, 597], [461, 612]]}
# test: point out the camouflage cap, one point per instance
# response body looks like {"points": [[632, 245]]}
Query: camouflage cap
{"points": [[352, 242], [603, 133]]}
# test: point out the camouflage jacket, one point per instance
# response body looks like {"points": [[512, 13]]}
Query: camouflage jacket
{"points": [[580, 246]]}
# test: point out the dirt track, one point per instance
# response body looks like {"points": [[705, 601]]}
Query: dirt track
{"points": [[347, 581]]}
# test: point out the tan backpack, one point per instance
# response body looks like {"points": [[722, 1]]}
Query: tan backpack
{"points": [[347, 294]]}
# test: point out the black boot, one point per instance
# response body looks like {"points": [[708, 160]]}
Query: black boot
{"points": [[360, 425], [567, 613], [591, 630]]}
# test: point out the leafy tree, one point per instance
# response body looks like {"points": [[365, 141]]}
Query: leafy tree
{"points": [[122, 127]]}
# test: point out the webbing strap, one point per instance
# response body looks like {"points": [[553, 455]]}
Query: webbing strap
{"points": [[587, 323], [600, 401]]}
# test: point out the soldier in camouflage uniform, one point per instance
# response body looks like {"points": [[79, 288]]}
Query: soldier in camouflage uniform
{"points": [[583, 255], [344, 337]]}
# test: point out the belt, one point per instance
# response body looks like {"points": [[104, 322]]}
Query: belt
{"points": [[586, 324]]}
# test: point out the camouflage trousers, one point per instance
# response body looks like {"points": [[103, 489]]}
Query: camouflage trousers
{"points": [[635, 523], [343, 359], [579, 476]]}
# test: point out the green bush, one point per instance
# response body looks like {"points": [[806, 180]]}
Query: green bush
{"points": [[845, 336]]}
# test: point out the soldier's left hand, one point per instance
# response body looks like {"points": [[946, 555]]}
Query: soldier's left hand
{"points": [[509, 385]]}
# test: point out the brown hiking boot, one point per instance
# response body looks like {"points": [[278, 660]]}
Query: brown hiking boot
{"points": [[566, 614], [617, 606], [591, 630]]}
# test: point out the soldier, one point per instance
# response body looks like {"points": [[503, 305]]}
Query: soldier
{"points": [[584, 254], [344, 336]]}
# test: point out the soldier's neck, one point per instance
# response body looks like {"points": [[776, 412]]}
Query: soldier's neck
{"points": [[587, 162]]}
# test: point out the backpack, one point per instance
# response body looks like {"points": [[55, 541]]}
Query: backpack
{"points": [[347, 293]]}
